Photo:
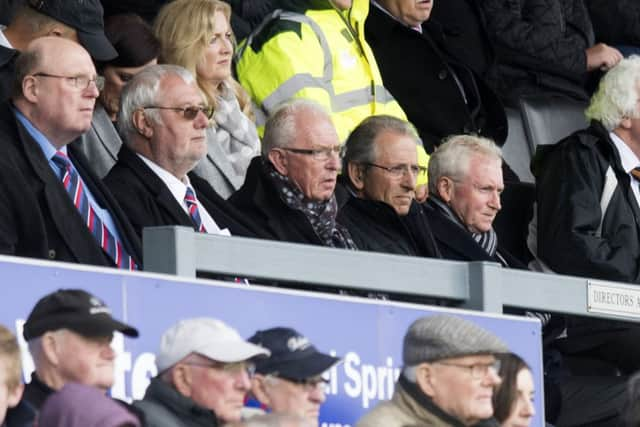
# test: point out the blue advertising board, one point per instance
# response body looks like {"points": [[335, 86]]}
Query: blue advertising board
{"points": [[366, 333]]}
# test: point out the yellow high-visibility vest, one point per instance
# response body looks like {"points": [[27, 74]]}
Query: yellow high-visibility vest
{"points": [[319, 55]]}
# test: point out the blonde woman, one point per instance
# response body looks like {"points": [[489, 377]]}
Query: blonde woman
{"points": [[196, 34]]}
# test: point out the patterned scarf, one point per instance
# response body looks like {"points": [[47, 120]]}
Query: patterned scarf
{"points": [[487, 240], [321, 215]]}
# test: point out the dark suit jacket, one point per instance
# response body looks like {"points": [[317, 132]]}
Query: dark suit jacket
{"points": [[420, 76], [37, 216], [271, 219], [457, 244], [148, 202], [7, 71]]}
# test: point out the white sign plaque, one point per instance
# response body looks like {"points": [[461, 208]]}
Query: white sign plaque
{"points": [[613, 298]]}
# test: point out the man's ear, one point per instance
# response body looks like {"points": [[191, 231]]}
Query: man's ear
{"points": [[182, 378], [279, 161], [625, 123], [259, 389], [142, 124], [30, 89], [51, 343], [356, 175], [425, 379], [445, 188], [14, 396]]}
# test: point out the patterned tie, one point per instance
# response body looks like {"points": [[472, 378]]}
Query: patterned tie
{"points": [[635, 172], [192, 206], [101, 233]]}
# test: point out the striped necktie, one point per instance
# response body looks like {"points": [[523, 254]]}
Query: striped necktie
{"points": [[194, 213], [75, 188]]}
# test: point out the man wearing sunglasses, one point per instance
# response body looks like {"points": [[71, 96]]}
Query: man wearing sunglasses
{"points": [[380, 171], [204, 373], [288, 193], [290, 380], [448, 376], [162, 120]]}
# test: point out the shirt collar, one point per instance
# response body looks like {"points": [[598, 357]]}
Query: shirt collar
{"points": [[177, 187], [376, 4], [627, 157], [47, 148], [3, 39]]}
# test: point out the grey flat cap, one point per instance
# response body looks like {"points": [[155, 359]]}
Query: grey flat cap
{"points": [[443, 336]]}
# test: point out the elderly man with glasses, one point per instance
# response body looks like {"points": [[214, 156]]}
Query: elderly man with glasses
{"points": [[204, 373], [288, 193], [448, 378], [290, 380], [162, 119], [52, 206], [380, 172]]}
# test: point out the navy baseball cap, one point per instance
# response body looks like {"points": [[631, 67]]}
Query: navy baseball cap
{"points": [[292, 355], [76, 310], [84, 16]]}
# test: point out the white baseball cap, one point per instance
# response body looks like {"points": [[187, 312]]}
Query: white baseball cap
{"points": [[209, 337]]}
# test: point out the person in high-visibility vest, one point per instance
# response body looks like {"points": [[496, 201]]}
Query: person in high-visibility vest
{"points": [[315, 50]]}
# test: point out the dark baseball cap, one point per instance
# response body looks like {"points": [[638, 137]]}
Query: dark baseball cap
{"points": [[292, 355], [76, 310], [85, 16]]}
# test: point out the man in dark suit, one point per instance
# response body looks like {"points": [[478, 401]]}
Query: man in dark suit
{"points": [[162, 119], [465, 182], [380, 170], [51, 205], [288, 193]]}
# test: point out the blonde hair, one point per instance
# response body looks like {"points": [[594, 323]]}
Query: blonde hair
{"points": [[184, 28], [10, 356]]}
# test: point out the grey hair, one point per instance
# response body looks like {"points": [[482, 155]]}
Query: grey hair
{"points": [[360, 146], [274, 420], [280, 128], [410, 373], [452, 157], [142, 91], [617, 94]]}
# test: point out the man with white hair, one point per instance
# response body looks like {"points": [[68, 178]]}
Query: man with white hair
{"points": [[448, 377], [204, 372]]}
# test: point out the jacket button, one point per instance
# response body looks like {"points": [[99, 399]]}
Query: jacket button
{"points": [[442, 74], [52, 254]]}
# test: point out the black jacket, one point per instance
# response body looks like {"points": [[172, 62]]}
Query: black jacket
{"points": [[456, 243], [570, 178], [148, 202], [615, 22], [540, 46], [375, 226], [420, 76], [36, 392], [163, 406], [37, 217], [270, 218], [7, 71]]}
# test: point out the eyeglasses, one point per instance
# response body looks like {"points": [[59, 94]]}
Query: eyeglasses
{"points": [[321, 154], [477, 370], [189, 113], [79, 82], [399, 171], [232, 368], [308, 384]]}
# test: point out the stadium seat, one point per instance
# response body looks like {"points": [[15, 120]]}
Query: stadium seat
{"points": [[516, 149]]}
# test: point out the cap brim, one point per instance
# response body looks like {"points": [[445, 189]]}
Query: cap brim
{"points": [[98, 46], [233, 351], [301, 369], [102, 326]]}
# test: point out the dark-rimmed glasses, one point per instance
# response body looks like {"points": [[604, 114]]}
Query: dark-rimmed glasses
{"points": [[477, 370], [399, 171], [189, 113], [79, 82], [308, 384], [321, 154]]}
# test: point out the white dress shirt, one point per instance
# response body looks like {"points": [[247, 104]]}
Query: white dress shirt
{"points": [[629, 161]]}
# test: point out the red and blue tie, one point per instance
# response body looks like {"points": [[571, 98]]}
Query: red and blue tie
{"points": [[194, 213], [75, 188]]}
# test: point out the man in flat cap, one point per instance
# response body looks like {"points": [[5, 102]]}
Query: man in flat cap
{"points": [[77, 20], [448, 376], [290, 380], [204, 372], [69, 335]]}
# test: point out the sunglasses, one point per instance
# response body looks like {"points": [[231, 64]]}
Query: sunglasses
{"points": [[189, 113]]}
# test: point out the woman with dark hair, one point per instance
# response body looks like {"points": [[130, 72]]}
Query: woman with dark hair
{"points": [[137, 47], [513, 399]]}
